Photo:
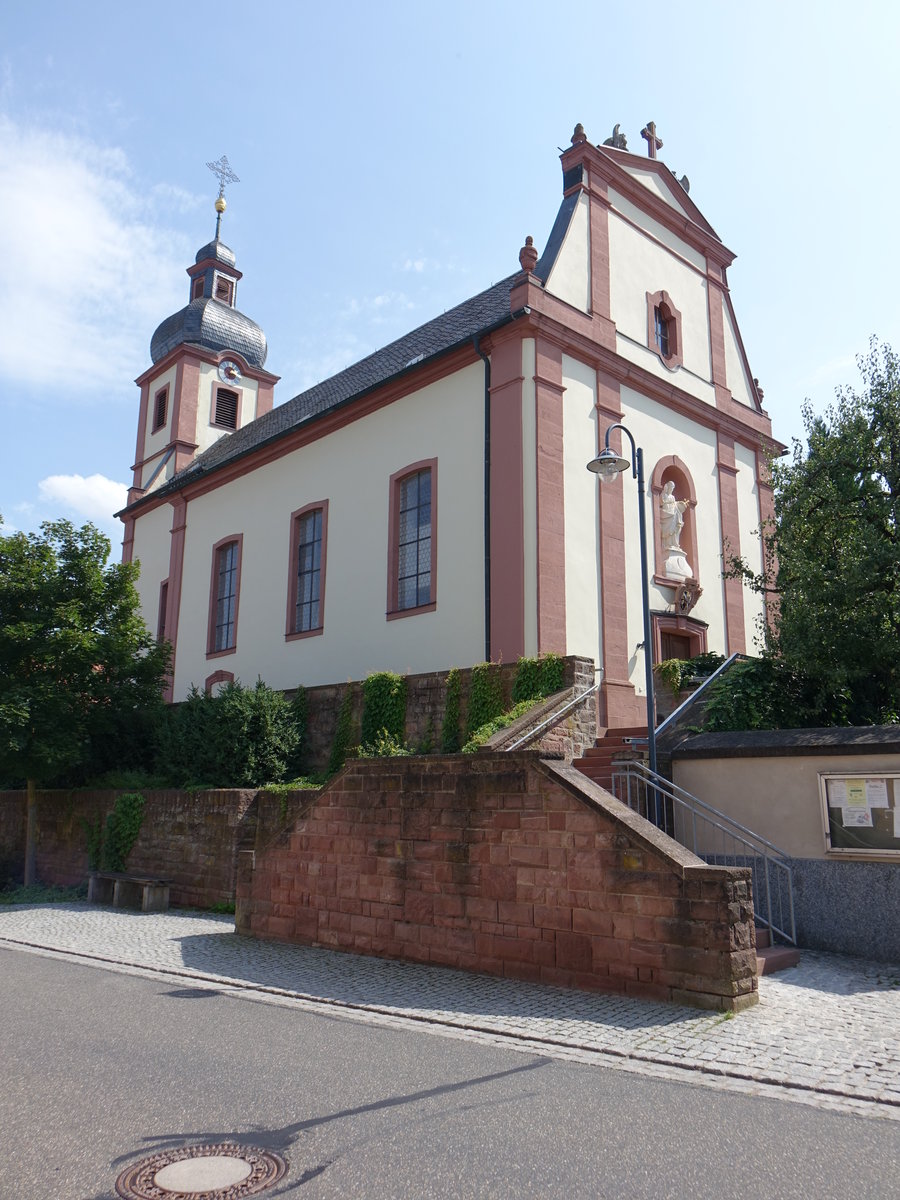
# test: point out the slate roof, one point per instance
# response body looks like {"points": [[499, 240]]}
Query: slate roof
{"points": [[488, 310]]}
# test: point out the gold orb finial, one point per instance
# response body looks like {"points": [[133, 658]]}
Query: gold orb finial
{"points": [[220, 204]]}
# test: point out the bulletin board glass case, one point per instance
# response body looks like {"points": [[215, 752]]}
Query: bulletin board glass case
{"points": [[861, 814]]}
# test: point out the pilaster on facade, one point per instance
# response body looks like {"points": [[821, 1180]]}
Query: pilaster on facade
{"points": [[551, 519], [507, 518]]}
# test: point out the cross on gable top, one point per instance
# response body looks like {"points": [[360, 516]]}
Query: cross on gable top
{"points": [[648, 133]]}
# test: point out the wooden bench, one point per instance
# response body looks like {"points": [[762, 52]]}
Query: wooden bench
{"points": [[128, 891]]}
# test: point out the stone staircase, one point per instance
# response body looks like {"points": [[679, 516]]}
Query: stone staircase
{"points": [[771, 958], [597, 762]]}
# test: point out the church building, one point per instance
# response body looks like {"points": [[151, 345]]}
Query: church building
{"points": [[430, 506]]}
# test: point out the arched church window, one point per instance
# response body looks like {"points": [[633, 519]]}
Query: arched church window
{"points": [[412, 540], [306, 590], [664, 329]]}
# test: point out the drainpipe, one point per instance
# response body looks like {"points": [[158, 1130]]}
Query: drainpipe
{"points": [[476, 341]]}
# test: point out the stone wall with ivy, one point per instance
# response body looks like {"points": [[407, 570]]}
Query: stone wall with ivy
{"points": [[426, 705]]}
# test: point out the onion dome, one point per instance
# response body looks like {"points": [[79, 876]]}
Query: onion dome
{"points": [[214, 326], [210, 319]]}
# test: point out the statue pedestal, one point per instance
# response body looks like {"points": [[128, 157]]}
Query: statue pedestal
{"points": [[677, 567]]}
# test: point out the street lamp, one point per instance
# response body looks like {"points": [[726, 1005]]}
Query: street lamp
{"points": [[609, 465]]}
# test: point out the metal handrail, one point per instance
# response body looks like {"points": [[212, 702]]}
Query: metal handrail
{"points": [[768, 864], [670, 719], [555, 716]]}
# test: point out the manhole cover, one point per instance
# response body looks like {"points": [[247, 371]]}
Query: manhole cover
{"points": [[225, 1171]]}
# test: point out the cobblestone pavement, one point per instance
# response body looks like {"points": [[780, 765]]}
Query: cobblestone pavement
{"points": [[825, 1033]]}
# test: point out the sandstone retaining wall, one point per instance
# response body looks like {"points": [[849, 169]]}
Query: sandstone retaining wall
{"points": [[508, 864]]}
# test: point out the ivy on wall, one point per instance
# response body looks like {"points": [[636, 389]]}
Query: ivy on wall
{"points": [[485, 696], [384, 707], [450, 739]]}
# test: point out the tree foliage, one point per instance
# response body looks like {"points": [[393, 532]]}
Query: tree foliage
{"points": [[77, 664], [832, 571]]}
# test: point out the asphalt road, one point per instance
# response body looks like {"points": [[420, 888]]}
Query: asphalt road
{"points": [[99, 1069]]}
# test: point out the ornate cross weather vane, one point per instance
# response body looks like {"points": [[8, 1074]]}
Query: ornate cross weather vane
{"points": [[221, 168]]}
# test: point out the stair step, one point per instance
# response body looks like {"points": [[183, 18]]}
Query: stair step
{"points": [[775, 958]]}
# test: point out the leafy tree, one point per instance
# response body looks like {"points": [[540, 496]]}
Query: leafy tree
{"points": [[76, 660], [832, 575]]}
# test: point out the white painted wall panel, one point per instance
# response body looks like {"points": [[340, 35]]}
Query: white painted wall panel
{"points": [[151, 552], [751, 544], [351, 468], [570, 278], [583, 632], [736, 377]]}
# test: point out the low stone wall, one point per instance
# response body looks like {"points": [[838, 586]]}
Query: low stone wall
{"points": [[508, 864], [190, 838], [426, 701]]}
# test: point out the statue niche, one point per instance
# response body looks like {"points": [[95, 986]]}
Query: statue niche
{"points": [[671, 525]]}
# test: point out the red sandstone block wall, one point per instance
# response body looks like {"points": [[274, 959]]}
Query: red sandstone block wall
{"points": [[505, 864], [190, 838]]}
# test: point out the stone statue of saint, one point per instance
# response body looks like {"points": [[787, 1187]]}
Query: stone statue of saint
{"points": [[671, 517]]}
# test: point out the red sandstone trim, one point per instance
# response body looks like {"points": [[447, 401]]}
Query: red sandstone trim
{"points": [[290, 633], [672, 468], [507, 514], [176, 575], [198, 354], [394, 612], [128, 539], [237, 538], [184, 423], [600, 264], [577, 339], [219, 267], [162, 610], [141, 443], [693, 229], [683, 626], [619, 704], [551, 515], [217, 677], [672, 317]]}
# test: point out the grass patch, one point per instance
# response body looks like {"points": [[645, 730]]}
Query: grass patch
{"points": [[39, 893]]}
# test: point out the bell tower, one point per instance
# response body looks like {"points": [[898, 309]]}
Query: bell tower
{"points": [[207, 379]]}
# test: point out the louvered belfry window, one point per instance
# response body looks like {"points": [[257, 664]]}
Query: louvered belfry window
{"points": [[226, 409]]}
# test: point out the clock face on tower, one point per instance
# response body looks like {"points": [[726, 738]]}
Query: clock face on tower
{"points": [[229, 371]]}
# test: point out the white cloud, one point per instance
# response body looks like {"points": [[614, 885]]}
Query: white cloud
{"points": [[94, 497], [87, 272]]}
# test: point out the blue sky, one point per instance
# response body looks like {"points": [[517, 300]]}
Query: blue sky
{"points": [[392, 158]]}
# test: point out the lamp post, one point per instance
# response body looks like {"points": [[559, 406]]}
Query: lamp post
{"points": [[609, 465]]}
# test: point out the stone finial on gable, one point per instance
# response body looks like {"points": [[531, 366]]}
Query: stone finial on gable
{"points": [[579, 135], [617, 140], [528, 256]]}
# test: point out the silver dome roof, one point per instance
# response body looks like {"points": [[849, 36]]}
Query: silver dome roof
{"points": [[214, 326]]}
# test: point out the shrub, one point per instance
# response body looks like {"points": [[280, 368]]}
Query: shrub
{"points": [[123, 825], [450, 723], [384, 746], [485, 696], [537, 678], [501, 721], [243, 737], [343, 733], [384, 707]]}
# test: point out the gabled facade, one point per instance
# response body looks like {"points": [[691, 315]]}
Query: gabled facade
{"points": [[429, 506]]}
